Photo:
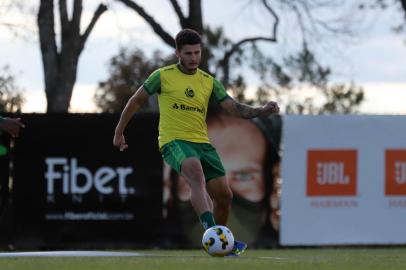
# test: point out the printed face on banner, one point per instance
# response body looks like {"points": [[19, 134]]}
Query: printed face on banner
{"points": [[331, 173], [395, 167]]}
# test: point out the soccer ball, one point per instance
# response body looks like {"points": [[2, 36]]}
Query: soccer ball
{"points": [[218, 241]]}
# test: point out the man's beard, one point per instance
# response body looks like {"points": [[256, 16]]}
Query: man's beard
{"points": [[182, 63]]}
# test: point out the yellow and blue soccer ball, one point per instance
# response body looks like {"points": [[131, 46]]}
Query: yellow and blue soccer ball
{"points": [[218, 241]]}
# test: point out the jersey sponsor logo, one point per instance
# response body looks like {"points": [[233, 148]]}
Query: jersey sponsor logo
{"points": [[184, 107], [331, 172], [189, 92], [395, 172]]}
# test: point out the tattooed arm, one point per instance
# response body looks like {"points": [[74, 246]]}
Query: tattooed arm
{"points": [[238, 109]]}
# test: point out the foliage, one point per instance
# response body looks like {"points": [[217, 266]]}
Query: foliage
{"points": [[128, 70], [11, 97], [227, 58], [285, 82], [216, 45], [298, 75], [400, 5]]}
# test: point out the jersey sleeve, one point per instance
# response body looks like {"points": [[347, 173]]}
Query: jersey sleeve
{"points": [[153, 84], [219, 92]]}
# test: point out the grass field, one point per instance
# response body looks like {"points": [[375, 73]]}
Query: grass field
{"points": [[340, 258]]}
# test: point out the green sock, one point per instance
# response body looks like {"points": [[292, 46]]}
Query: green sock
{"points": [[207, 220]]}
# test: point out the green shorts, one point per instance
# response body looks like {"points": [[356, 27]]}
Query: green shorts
{"points": [[175, 152]]}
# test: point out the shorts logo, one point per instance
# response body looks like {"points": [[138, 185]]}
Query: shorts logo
{"points": [[395, 172], [331, 172], [189, 92]]}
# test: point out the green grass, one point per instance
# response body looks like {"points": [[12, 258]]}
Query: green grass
{"points": [[340, 258]]}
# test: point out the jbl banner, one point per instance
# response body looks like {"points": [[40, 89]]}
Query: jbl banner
{"points": [[344, 180]]}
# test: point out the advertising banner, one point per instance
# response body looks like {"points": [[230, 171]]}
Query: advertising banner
{"points": [[72, 186], [344, 180], [4, 168]]}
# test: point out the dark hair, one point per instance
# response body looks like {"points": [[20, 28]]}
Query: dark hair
{"points": [[187, 37]]}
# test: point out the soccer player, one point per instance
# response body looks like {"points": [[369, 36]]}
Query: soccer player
{"points": [[183, 92], [250, 175], [11, 125]]}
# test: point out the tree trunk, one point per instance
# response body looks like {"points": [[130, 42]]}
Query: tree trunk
{"points": [[60, 67], [195, 15], [194, 20], [403, 3]]}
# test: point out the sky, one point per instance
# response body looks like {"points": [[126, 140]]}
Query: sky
{"points": [[374, 58]]}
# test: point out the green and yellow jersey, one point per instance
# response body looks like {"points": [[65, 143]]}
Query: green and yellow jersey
{"points": [[183, 100]]}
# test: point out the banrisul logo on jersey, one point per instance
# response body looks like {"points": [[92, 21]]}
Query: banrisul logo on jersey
{"points": [[188, 108], [189, 92]]}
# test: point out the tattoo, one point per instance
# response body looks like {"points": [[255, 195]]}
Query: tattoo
{"points": [[246, 111]]}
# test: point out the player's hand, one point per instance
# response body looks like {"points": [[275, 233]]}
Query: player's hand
{"points": [[270, 108], [12, 126], [119, 142]]}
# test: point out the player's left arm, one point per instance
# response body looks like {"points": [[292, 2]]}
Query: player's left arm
{"points": [[242, 110]]}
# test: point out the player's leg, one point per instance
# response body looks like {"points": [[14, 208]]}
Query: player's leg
{"points": [[209, 201], [184, 158], [192, 170], [222, 196], [216, 183], [220, 191]]}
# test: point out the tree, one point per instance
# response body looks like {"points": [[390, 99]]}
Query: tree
{"points": [[60, 62], [7, 7], [194, 20], [400, 5], [309, 16], [221, 53], [383, 4], [301, 11], [300, 73], [296, 74], [11, 98], [128, 71]]}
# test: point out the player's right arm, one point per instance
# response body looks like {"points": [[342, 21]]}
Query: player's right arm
{"points": [[151, 86], [11, 125], [133, 105]]}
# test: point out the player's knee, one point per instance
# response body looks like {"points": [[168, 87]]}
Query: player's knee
{"points": [[193, 172]]}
